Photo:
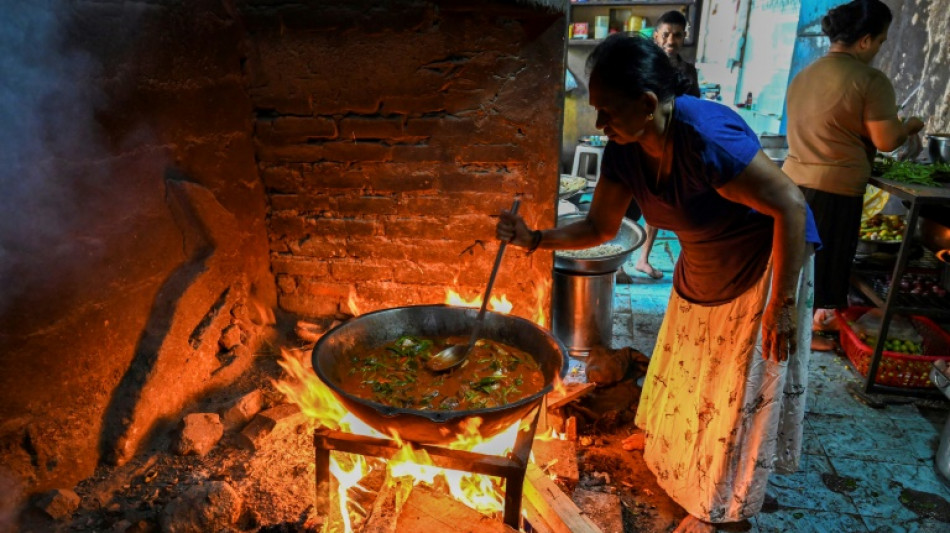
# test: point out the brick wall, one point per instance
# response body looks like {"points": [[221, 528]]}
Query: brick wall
{"points": [[388, 139]]}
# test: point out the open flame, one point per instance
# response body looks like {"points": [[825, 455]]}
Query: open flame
{"points": [[499, 305], [316, 400]]}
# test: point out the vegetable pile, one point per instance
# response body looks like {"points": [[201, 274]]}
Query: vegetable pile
{"points": [[912, 173], [882, 228]]}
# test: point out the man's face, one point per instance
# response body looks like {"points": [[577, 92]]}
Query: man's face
{"points": [[670, 37]]}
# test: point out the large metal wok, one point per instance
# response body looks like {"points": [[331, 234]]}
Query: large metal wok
{"points": [[630, 236], [331, 361]]}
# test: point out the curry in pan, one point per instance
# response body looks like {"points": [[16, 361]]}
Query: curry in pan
{"points": [[495, 374]]}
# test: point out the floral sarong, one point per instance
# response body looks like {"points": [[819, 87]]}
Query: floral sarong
{"points": [[717, 417]]}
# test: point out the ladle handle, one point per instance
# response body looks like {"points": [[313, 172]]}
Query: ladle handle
{"points": [[491, 280]]}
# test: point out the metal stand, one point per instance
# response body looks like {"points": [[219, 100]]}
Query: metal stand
{"points": [[893, 302], [511, 468]]}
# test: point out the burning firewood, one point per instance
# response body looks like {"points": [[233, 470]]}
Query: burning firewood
{"points": [[389, 502]]}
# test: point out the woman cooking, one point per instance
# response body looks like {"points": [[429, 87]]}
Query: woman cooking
{"points": [[832, 140], [715, 417]]}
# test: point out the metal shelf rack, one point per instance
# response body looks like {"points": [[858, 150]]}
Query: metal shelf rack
{"points": [[892, 300]]}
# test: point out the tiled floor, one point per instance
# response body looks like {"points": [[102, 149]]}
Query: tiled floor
{"points": [[861, 466]]}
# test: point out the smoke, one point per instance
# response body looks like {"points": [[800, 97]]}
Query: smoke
{"points": [[47, 106]]}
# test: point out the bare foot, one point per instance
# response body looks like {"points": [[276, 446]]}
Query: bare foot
{"points": [[648, 269], [691, 524], [824, 320], [633, 442]]}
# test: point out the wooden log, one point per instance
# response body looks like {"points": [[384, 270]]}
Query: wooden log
{"points": [[558, 457], [430, 512], [533, 521], [570, 428], [561, 397], [556, 508], [388, 506]]}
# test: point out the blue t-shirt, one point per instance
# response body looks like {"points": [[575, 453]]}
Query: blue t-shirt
{"points": [[725, 245]]}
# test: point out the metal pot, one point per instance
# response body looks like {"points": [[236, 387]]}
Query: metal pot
{"points": [[938, 146], [630, 236], [331, 361]]}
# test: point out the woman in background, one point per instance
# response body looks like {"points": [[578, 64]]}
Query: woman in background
{"points": [[840, 112], [723, 400]]}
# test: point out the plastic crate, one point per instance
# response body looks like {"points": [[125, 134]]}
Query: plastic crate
{"points": [[895, 369]]}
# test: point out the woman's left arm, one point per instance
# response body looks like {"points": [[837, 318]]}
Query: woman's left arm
{"points": [[764, 187]]}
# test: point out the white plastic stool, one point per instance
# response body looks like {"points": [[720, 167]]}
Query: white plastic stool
{"points": [[583, 152]]}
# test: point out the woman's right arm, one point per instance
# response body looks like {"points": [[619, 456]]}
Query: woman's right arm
{"points": [[887, 131], [603, 220], [890, 134]]}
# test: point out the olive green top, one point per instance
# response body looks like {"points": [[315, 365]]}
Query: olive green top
{"points": [[829, 148]]}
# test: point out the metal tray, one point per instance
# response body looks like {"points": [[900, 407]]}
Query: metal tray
{"points": [[630, 236]]}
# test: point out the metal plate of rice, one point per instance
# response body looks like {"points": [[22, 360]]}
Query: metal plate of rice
{"points": [[605, 257]]}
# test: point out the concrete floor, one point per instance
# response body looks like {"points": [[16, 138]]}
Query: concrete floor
{"points": [[865, 469]]}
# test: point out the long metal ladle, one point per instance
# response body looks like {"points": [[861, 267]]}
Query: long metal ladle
{"points": [[454, 355]]}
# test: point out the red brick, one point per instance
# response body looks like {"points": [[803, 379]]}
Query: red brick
{"points": [[400, 178], [492, 153], [359, 151], [297, 153], [360, 271], [376, 205], [458, 101], [280, 178], [359, 103], [412, 273], [443, 127], [298, 266], [371, 128], [319, 247], [295, 130], [300, 202], [421, 154], [412, 104], [308, 305]]}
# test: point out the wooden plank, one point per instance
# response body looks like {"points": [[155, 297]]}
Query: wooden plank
{"points": [[429, 512], [561, 397], [558, 457], [570, 428], [533, 521], [557, 510], [388, 505]]}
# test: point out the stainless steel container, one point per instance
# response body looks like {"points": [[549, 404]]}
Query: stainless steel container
{"points": [[940, 376], [583, 308], [938, 146], [583, 292]]}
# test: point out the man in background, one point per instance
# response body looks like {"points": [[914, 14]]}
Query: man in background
{"points": [[669, 34]]}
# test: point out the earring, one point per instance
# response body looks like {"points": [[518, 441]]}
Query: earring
{"points": [[650, 116]]}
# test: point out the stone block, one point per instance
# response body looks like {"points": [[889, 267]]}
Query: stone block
{"points": [[243, 409], [264, 424], [231, 336], [59, 504], [213, 506], [199, 434]]}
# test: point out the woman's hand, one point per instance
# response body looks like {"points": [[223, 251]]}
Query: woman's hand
{"points": [[779, 329], [511, 228]]}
